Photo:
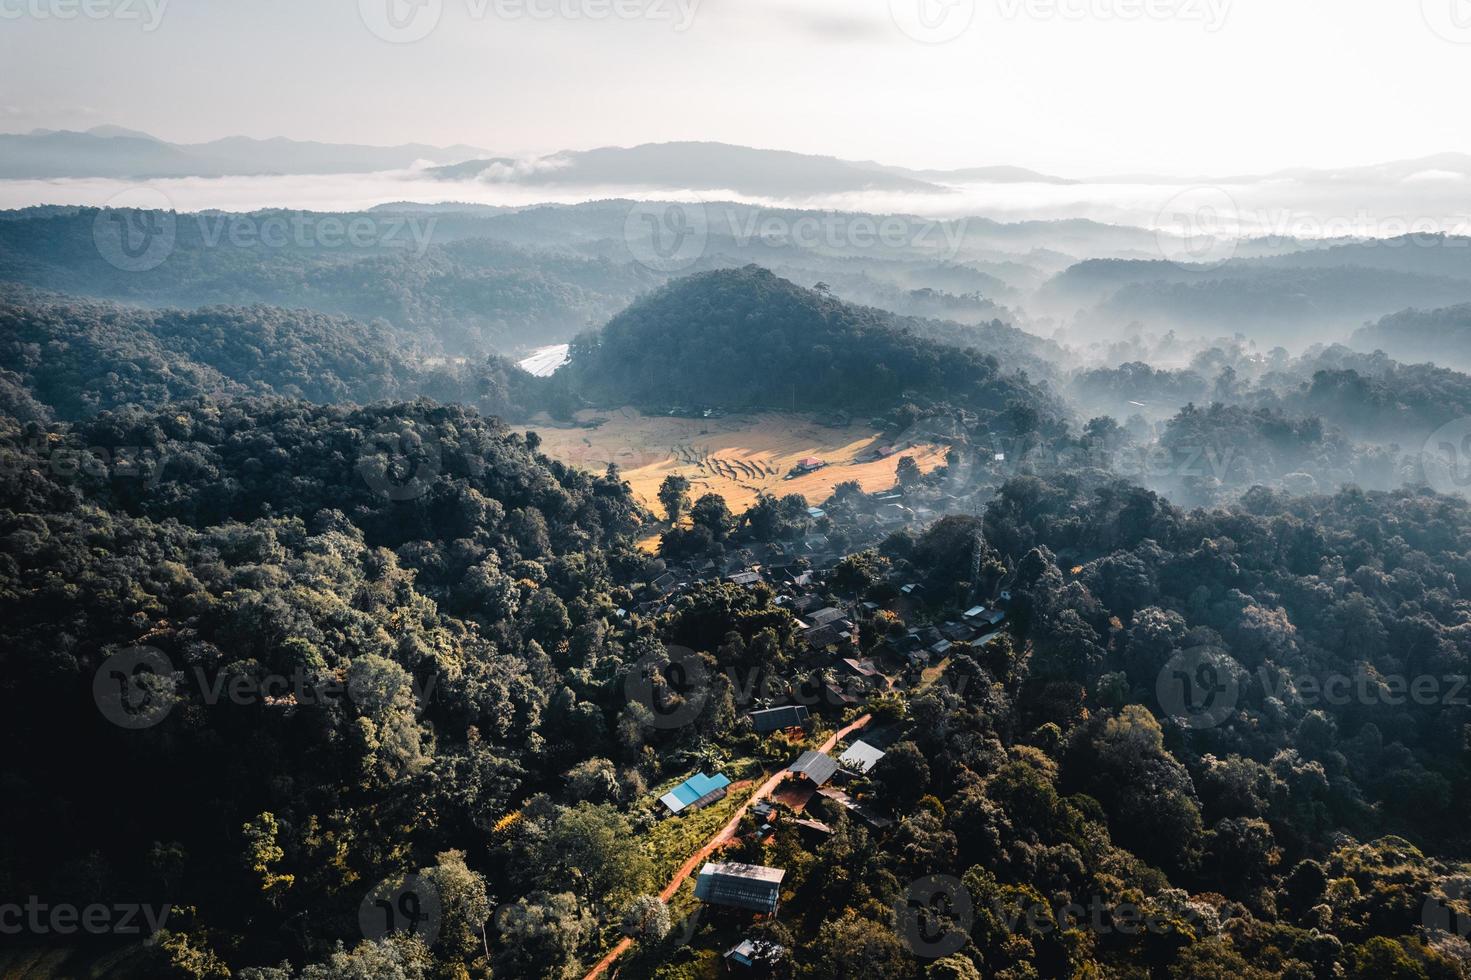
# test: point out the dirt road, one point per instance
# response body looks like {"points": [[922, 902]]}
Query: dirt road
{"points": [[721, 838]]}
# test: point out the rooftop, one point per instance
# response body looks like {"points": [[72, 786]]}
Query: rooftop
{"points": [[816, 766], [692, 790], [860, 757]]}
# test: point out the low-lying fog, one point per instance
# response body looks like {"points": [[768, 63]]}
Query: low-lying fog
{"points": [[1318, 206]]}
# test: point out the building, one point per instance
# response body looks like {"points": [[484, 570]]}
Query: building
{"points": [[981, 614], [860, 757], [698, 791], [751, 953], [775, 719], [821, 617], [862, 668], [815, 766], [743, 886], [831, 635]]}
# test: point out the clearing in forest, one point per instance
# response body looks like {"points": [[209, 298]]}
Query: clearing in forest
{"points": [[736, 456]]}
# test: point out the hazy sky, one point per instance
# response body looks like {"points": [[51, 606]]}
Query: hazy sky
{"points": [[1070, 86]]}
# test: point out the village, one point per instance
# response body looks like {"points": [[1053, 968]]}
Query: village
{"points": [[833, 710]]}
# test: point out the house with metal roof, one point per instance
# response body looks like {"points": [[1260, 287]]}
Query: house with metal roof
{"points": [[698, 791], [815, 766], [860, 757], [775, 719], [743, 886]]}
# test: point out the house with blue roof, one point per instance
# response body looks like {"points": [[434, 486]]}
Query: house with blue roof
{"points": [[698, 791]]}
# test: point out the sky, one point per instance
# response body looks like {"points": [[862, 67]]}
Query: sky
{"points": [[1072, 87]]}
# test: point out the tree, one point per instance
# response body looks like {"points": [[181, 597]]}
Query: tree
{"points": [[674, 495], [908, 472], [261, 852], [857, 573], [954, 967], [646, 917], [464, 907], [903, 772], [854, 948], [711, 513]]}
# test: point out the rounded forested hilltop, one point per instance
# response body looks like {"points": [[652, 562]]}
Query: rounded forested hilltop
{"points": [[748, 339]]}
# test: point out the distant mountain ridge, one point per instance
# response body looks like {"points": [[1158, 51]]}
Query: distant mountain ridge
{"points": [[111, 151], [699, 166]]}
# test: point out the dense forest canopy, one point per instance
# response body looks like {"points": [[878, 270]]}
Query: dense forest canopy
{"points": [[1165, 658]]}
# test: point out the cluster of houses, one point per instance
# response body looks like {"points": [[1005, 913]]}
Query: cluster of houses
{"points": [[832, 671], [755, 887]]}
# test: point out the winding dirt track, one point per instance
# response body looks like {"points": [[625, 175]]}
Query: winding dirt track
{"points": [[721, 838]]}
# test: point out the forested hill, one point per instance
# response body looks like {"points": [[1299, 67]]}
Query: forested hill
{"points": [[745, 338], [463, 297], [69, 359], [424, 556], [1442, 336]]}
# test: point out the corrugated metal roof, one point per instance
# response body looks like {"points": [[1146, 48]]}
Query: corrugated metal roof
{"points": [[816, 766], [697, 786]]}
